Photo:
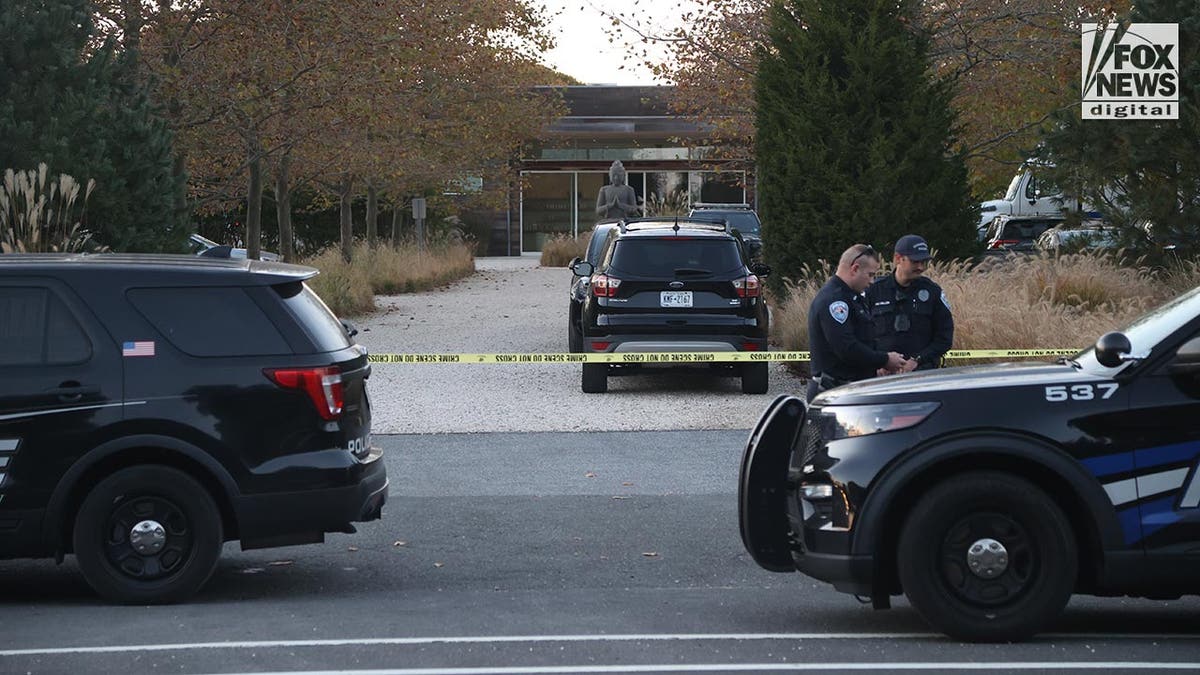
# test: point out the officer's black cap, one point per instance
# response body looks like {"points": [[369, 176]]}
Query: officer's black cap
{"points": [[912, 247]]}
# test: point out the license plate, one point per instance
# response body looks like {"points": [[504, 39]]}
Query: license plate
{"points": [[676, 299]]}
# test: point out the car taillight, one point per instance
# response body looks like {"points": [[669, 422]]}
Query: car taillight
{"points": [[604, 286], [1004, 243], [323, 386], [747, 287]]}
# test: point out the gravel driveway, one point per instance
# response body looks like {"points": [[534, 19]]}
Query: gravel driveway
{"points": [[513, 305]]}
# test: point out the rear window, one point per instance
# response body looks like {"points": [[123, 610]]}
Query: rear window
{"points": [[1024, 229], [209, 322], [663, 257], [742, 221], [314, 317]]}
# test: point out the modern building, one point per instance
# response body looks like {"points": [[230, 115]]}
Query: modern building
{"points": [[664, 156]]}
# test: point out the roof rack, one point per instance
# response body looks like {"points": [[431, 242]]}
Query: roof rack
{"points": [[675, 223], [719, 205]]}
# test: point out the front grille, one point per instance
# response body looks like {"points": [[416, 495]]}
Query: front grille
{"points": [[810, 438]]}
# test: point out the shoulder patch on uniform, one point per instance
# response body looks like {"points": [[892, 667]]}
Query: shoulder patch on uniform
{"points": [[923, 295], [945, 300], [840, 311]]}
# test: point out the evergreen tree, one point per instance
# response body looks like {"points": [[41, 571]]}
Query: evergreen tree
{"points": [[1140, 172], [855, 137], [84, 113]]}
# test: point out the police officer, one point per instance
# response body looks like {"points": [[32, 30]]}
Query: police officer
{"points": [[840, 337], [911, 313]]}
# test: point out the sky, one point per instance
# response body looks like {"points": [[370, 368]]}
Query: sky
{"points": [[582, 33]]}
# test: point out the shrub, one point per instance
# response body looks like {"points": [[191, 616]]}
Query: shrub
{"points": [[350, 288], [37, 216], [561, 249]]}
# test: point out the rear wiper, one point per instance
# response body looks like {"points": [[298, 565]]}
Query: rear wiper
{"points": [[690, 270]]}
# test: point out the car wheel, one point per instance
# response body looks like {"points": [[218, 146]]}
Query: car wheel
{"points": [[987, 557], [147, 535], [754, 378], [595, 378], [574, 337]]}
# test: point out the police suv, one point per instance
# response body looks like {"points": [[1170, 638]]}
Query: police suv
{"points": [[154, 407], [988, 495]]}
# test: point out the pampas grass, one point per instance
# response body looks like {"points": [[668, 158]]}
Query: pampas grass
{"points": [[37, 212], [1018, 302]]}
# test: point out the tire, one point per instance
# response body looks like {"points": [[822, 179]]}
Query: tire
{"points": [[1031, 583], [754, 378], [574, 337], [595, 378], [171, 570]]}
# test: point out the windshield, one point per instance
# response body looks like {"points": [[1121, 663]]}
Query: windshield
{"points": [[1152, 328], [1011, 194]]}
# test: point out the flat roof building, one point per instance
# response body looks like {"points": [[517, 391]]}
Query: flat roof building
{"points": [[665, 156]]}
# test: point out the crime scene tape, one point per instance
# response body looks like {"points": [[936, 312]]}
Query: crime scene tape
{"points": [[680, 357]]}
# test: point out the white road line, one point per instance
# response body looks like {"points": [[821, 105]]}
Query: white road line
{"points": [[501, 639], [762, 667]]}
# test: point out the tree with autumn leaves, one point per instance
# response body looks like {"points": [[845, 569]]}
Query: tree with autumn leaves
{"points": [[349, 97], [1012, 64]]}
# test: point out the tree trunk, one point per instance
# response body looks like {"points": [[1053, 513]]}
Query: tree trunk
{"points": [[254, 205], [283, 208], [372, 213], [346, 222], [131, 31], [396, 226]]}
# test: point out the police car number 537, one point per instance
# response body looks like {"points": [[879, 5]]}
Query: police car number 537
{"points": [[1081, 392]]}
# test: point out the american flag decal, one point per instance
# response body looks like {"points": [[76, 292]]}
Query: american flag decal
{"points": [[138, 348]]}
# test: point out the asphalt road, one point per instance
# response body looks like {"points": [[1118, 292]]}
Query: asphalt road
{"points": [[606, 552]]}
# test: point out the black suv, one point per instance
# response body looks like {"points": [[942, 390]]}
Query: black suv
{"points": [[989, 494], [154, 407], [740, 217], [665, 285], [580, 286]]}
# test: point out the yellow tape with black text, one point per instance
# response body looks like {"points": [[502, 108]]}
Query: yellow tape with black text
{"points": [[682, 357]]}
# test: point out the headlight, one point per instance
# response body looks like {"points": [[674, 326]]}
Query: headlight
{"points": [[848, 421], [987, 209]]}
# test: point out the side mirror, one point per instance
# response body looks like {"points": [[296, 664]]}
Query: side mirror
{"points": [[582, 268], [760, 269], [350, 328], [1111, 349]]}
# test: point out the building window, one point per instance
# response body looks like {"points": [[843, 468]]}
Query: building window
{"points": [[546, 208], [712, 187]]}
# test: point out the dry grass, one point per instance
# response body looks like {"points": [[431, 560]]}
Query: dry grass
{"points": [[562, 249], [1020, 302], [350, 289], [38, 215]]}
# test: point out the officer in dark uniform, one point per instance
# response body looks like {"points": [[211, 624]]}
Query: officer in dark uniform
{"points": [[911, 313], [840, 333]]}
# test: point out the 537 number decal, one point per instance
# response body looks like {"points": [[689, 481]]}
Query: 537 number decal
{"points": [[1081, 392]]}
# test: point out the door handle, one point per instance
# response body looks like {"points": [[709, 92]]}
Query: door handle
{"points": [[71, 392]]}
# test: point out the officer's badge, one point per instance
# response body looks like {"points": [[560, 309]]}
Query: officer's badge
{"points": [[945, 300], [840, 311], [923, 295]]}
